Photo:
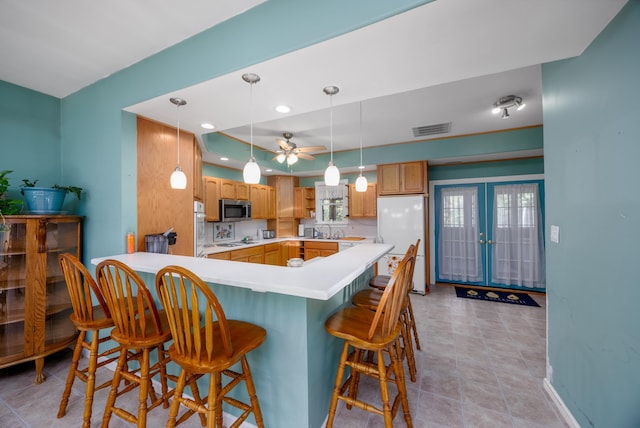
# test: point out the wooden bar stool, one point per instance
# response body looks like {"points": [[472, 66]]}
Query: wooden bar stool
{"points": [[379, 332], [370, 299], [379, 282], [87, 318], [206, 343], [139, 329]]}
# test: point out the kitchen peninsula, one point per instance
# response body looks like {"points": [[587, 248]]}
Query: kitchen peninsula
{"points": [[294, 370]]}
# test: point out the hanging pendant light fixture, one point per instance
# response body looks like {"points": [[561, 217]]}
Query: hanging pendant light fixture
{"points": [[251, 171], [178, 178], [361, 181], [332, 173]]}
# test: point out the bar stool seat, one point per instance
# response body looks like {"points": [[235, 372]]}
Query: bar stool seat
{"points": [[206, 343], [87, 318]]}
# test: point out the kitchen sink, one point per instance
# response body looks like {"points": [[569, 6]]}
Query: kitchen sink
{"points": [[231, 244]]}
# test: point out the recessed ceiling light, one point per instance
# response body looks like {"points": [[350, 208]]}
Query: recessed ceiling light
{"points": [[283, 109], [268, 170], [224, 159], [207, 125]]}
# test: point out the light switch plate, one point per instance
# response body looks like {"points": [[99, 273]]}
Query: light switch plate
{"points": [[555, 233]]}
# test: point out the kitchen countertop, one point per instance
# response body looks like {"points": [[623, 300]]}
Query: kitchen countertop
{"points": [[217, 248], [320, 280]]}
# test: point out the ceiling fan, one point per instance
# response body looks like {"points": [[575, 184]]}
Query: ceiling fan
{"points": [[291, 152]]}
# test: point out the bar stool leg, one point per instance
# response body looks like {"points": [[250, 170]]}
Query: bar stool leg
{"points": [[384, 389], [77, 351], [402, 388], [412, 322], [336, 388], [175, 404], [111, 399]]}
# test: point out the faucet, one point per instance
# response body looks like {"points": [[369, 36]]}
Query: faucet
{"points": [[329, 236]]}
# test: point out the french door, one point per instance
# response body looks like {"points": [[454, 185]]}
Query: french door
{"points": [[491, 234]]}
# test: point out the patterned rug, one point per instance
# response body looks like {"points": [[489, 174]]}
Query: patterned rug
{"points": [[496, 296]]}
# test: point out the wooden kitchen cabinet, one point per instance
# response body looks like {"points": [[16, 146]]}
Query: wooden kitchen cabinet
{"points": [[402, 178], [304, 201], [225, 255], [198, 184], [319, 249], [236, 190], [211, 198], [34, 301], [250, 255], [285, 224], [272, 254], [363, 204], [260, 197]]}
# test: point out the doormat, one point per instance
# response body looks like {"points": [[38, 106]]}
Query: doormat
{"points": [[496, 296]]}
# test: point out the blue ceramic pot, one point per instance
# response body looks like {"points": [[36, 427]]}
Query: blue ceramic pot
{"points": [[44, 200]]}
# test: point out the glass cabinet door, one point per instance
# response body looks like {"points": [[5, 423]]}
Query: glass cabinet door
{"points": [[12, 290], [61, 237]]}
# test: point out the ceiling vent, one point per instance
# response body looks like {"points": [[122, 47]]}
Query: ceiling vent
{"points": [[439, 128]]}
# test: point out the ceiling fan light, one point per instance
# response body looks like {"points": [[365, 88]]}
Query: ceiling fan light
{"points": [[331, 175], [178, 179], [281, 157], [291, 159], [251, 172], [495, 110], [361, 183], [521, 106]]}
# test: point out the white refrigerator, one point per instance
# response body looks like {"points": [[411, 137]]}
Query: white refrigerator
{"points": [[401, 221]]}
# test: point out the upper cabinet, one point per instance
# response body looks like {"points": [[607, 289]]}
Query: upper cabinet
{"points": [[263, 201], [402, 178], [363, 204], [211, 198], [304, 202], [237, 190]]}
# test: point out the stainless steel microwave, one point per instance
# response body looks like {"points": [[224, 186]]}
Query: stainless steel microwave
{"points": [[231, 210]]}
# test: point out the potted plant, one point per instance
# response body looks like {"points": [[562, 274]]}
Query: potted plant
{"points": [[46, 200], [7, 206]]}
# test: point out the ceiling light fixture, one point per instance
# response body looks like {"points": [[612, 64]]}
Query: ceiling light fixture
{"points": [[361, 181], [507, 102], [251, 171], [207, 125], [178, 178], [283, 109], [332, 173]]}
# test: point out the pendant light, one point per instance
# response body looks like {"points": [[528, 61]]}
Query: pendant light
{"points": [[332, 173], [361, 181], [178, 178], [251, 171]]}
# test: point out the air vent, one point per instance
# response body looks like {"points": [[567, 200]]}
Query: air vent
{"points": [[439, 128]]}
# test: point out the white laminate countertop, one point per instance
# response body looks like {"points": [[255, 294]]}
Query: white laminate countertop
{"points": [[320, 279], [214, 248]]}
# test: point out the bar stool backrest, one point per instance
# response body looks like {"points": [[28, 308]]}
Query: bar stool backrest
{"points": [[82, 287], [191, 305], [132, 307], [393, 297]]}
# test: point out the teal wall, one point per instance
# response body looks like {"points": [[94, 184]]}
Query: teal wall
{"points": [[592, 151], [487, 169], [30, 137]]}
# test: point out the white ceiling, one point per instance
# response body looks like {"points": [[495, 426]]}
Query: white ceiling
{"points": [[446, 61]]}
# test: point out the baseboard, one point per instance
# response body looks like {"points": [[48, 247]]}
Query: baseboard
{"points": [[227, 418], [562, 409]]}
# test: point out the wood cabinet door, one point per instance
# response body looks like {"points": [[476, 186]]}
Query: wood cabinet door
{"points": [[226, 255], [310, 253], [211, 198], [298, 202], [389, 179], [370, 201], [412, 176], [271, 203], [258, 208], [272, 254], [356, 202], [227, 189], [242, 191]]}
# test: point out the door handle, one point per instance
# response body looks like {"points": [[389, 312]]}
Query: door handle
{"points": [[482, 241], [490, 242]]}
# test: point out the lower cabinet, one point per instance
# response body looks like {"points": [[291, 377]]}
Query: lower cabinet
{"points": [[319, 249], [250, 255], [272, 254], [220, 256]]}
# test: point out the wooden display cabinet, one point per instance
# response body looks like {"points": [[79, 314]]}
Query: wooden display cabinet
{"points": [[34, 301], [304, 202]]}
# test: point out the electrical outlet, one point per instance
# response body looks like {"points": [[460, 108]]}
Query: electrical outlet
{"points": [[555, 233]]}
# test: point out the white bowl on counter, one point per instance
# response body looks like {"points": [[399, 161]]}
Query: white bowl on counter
{"points": [[295, 262]]}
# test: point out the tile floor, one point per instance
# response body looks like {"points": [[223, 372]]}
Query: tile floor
{"points": [[481, 365]]}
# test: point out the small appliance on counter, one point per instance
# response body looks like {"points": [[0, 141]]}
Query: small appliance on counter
{"points": [[301, 230], [159, 243], [268, 234]]}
